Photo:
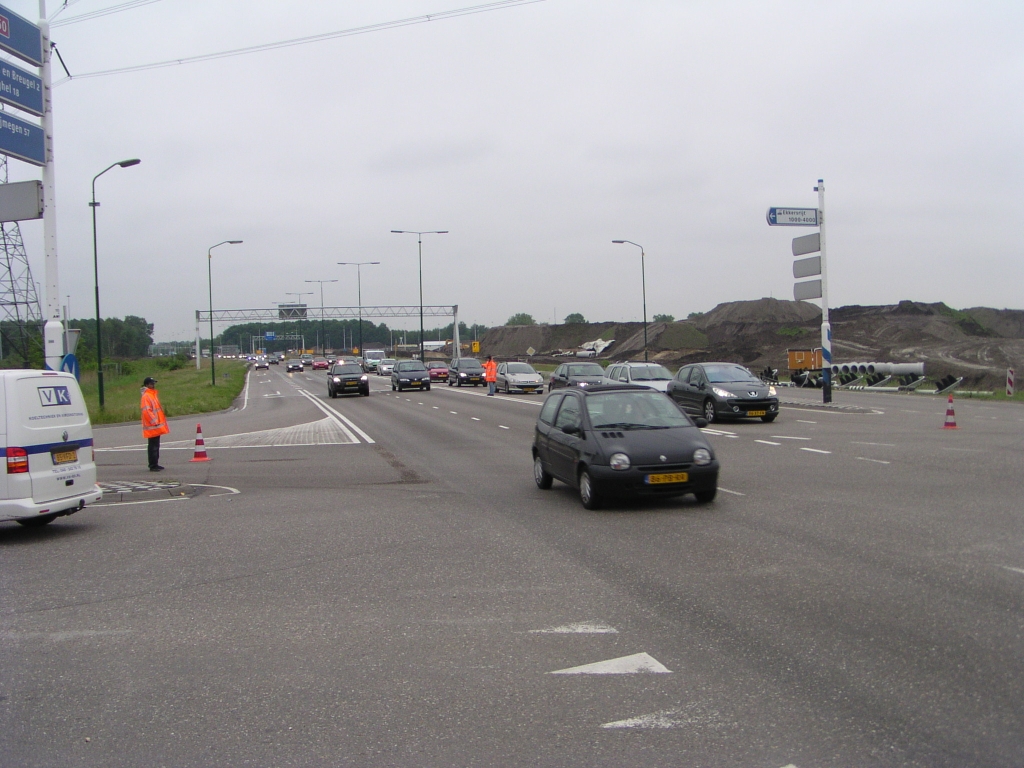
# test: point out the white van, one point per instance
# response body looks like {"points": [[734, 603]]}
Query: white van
{"points": [[46, 439]]}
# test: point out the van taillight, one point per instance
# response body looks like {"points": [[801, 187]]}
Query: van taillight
{"points": [[17, 461]]}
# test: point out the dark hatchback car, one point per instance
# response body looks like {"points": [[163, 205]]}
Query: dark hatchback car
{"points": [[347, 379], [295, 365], [723, 391], [621, 440], [466, 371], [410, 374], [575, 375]]}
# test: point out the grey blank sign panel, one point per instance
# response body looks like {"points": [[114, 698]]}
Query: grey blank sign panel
{"points": [[809, 290], [807, 244], [807, 267]]}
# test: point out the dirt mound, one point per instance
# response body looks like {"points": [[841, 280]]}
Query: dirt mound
{"points": [[760, 311], [1007, 323]]}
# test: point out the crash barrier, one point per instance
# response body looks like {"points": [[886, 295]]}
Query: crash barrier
{"points": [[947, 384]]}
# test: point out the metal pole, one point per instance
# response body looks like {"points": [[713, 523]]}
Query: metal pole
{"points": [[826, 327], [52, 327], [419, 239], [359, 287], [96, 277], [643, 283], [209, 277]]}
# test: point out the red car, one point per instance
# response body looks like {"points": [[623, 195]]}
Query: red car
{"points": [[320, 364], [438, 371]]}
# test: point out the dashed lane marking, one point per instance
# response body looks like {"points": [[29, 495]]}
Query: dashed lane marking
{"points": [[454, 413], [581, 628], [734, 493], [805, 421], [882, 445], [474, 418], [814, 450], [789, 437], [767, 442], [1011, 568], [502, 426], [876, 461]]}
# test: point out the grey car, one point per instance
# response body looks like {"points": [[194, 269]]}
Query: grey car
{"points": [[723, 391], [576, 375], [518, 377]]}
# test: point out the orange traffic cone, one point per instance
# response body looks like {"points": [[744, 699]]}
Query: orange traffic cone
{"points": [[950, 416], [200, 452]]}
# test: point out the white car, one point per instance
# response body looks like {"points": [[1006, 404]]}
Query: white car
{"points": [[386, 366], [653, 375], [518, 377]]}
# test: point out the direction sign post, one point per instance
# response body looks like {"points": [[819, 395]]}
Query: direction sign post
{"points": [[826, 327], [793, 217]]}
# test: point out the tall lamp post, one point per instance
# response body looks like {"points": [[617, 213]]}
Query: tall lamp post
{"points": [[419, 240], [209, 279], [359, 289], [96, 271], [300, 294], [323, 337], [643, 283]]}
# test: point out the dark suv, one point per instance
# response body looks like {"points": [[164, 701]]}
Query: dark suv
{"points": [[723, 391]]}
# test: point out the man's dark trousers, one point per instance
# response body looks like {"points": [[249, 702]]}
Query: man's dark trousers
{"points": [[154, 452]]}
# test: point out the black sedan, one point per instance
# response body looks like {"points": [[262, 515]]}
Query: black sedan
{"points": [[466, 371], [575, 375], [622, 440], [723, 391], [347, 379], [410, 374], [294, 365]]}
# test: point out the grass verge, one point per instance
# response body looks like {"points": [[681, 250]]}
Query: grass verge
{"points": [[182, 392]]}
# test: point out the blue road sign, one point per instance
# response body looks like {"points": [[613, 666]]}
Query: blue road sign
{"points": [[792, 217], [22, 140], [21, 89], [270, 335], [20, 37]]}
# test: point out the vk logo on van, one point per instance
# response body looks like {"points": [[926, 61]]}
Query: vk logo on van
{"points": [[54, 396]]}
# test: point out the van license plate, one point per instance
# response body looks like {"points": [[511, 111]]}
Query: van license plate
{"points": [[668, 477], [65, 457]]}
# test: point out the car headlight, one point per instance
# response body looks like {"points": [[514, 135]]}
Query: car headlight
{"points": [[400, 379], [619, 461], [462, 375], [722, 392], [772, 392], [582, 383], [337, 380], [364, 377], [702, 456]]}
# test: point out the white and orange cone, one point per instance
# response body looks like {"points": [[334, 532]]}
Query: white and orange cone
{"points": [[200, 452], [950, 416]]}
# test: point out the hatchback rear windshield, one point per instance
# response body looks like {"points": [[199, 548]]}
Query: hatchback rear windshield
{"points": [[649, 373], [634, 410], [586, 369]]}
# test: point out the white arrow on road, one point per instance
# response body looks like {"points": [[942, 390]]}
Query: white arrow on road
{"points": [[625, 665]]}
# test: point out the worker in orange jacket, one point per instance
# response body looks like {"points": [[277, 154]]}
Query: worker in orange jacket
{"points": [[491, 375], [154, 423]]}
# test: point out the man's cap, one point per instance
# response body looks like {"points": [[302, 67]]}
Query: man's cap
{"points": [[148, 380]]}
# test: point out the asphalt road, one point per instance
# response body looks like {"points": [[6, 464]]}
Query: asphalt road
{"points": [[378, 582]]}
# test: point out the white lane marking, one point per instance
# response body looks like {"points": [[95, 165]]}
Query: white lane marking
{"points": [[814, 450], [581, 628], [326, 431], [434, 407], [144, 501], [1007, 567], [57, 637], [335, 415], [638, 663], [474, 418], [709, 431], [883, 445], [767, 442], [230, 491], [805, 421], [789, 437], [876, 461], [502, 426], [419, 403], [456, 413], [734, 493], [669, 718], [506, 398], [245, 394]]}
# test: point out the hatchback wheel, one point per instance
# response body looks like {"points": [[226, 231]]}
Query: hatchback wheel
{"points": [[588, 493], [705, 497], [540, 476], [508, 391], [709, 410]]}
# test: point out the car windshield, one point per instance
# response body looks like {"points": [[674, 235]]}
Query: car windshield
{"points": [[294, 362], [586, 369], [414, 365], [468, 363], [348, 368], [720, 374], [432, 366], [520, 368], [387, 361], [634, 410], [649, 373]]}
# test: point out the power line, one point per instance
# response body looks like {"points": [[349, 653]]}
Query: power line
{"points": [[441, 16], [99, 13]]}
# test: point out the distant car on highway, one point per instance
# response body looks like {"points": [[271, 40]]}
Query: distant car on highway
{"points": [[575, 375], [465, 371], [320, 364], [410, 374], [294, 365], [347, 379], [518, 377], [306, 360], [651, 375], [438, 370], [621, 441], [723, 391], [273, 360], [261, 362], [385, 366]]}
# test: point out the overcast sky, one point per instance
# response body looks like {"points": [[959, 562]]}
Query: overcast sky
{"points": [[537, 134]]}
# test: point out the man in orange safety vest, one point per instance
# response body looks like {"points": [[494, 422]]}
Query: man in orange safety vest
{"points": [[491, 375], [154, 423]]}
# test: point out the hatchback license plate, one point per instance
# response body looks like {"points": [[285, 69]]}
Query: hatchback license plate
{"points": [[757, 413], [65, 457], [668, 477]]}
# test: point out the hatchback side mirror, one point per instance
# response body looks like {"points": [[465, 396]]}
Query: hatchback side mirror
{"points": [[700, 421], [571, 429]]}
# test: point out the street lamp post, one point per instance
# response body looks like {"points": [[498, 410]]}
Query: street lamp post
{"points": [[419, 240], [209, 279], [300, 294], [359, 289], [323, 337], [96, 271], [643, 283]]}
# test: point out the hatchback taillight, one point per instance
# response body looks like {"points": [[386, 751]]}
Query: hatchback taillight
{"points": [[17, 461]]}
